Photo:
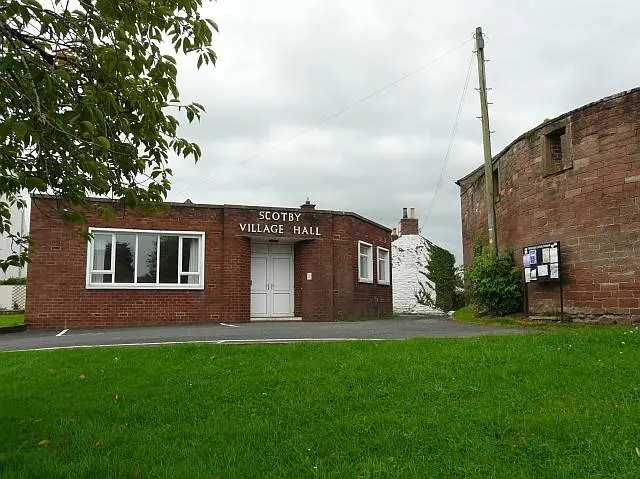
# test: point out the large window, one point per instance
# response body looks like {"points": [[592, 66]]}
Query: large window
{"points": [[365, 262], [383, 266], [145, 259]]}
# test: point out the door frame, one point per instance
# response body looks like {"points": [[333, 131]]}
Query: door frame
{"points": [[270, 256]]}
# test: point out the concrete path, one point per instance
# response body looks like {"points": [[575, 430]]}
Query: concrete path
{"points": [[258, 332]]}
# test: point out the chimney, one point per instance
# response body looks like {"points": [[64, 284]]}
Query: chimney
{"points": [[408, 224], [394, 235], [307, 205]]}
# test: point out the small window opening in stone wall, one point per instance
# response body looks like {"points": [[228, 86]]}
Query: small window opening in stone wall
{"points": [[496, 186], [557, 153], [556, 143]]}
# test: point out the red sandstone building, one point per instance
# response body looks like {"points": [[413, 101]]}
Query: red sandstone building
{"points": [[574, 179], [205, 263]]}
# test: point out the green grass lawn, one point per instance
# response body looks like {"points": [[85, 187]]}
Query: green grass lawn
{"points": [[554, 404], [11, 320], [468, 315]]}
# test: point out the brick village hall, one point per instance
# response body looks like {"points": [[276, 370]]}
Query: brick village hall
{"points": [[205, 263]]}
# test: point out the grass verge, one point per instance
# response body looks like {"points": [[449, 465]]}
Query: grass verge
{"points": [[562, 404], [11, 320], [468, 315]]}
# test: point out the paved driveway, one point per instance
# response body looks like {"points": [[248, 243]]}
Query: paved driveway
{"points": [[259, 332]]}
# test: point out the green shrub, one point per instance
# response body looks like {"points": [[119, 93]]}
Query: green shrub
{"points": [[12, 281], [496, 284], [442, 284]]}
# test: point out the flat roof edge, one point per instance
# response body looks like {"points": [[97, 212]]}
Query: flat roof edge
{"points": [[174, 204]]}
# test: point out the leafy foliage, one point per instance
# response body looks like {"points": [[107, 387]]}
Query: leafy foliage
{"points": [[88, 94], [13, 281], [445, 278], [441, 286], [424, 294], [496, 284]]}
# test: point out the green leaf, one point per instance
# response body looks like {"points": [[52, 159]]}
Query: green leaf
{"points": [[20, 129], [33, 4], [103, 142], [102, 116], [88, 126]]}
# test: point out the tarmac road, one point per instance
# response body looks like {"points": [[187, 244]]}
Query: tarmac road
{"points": [[402, 327]]}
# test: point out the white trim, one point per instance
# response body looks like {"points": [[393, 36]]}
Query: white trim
{"points": [[388, 266], [277, 319], [365, 279], [200, 235], [143, 286], [135, 262], [155, 232], [157, 261]]}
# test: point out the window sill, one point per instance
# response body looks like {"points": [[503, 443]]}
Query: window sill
{"points": [[384, 283], [364, 280], [146, 287]]}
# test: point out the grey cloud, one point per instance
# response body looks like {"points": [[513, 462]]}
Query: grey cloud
{"points": [[284, 65]]}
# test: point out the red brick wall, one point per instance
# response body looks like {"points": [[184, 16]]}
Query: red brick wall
{"points": [[409, 226], [57, 295], [592, 208], [352, 297], [56, 292]]}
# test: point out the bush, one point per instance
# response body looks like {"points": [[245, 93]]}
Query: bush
{"points": [[496, 284], [11, 281], [442, 287]]}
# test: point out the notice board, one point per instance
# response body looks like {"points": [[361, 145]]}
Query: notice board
{"points": [[541, 262]]}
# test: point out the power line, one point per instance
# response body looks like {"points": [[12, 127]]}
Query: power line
{"points": [[337, 113], [451, 139]]}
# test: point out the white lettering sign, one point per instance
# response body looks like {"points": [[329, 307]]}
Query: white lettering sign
{"points": [[265, 224]]}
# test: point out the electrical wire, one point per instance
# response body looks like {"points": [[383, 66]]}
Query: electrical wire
{"points": [[336, 114], [452, 138]]}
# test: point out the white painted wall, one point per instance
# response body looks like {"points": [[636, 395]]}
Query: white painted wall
{"points": [[5, 297], [408, 257], [19, 223]]}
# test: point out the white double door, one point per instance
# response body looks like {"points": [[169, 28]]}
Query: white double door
{"points": [[271, 280]]}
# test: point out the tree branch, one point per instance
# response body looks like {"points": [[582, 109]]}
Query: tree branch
{"points": [[46, 56]]}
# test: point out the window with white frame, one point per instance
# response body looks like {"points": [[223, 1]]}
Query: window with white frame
{"points": [[365, 262], [383, 266], [145, 259]]}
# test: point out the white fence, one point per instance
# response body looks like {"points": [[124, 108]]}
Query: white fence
{"points": [[13, 297]]}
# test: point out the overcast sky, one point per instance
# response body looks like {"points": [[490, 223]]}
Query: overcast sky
{"points": [[284, 66]]}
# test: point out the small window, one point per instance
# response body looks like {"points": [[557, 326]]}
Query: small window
{"points": [[145, 259], [383, 266], [496, 186], [557, 152], [556, 148], [365, 262]]}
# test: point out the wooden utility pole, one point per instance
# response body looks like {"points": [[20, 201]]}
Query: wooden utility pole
{"points": [[486, 141]]}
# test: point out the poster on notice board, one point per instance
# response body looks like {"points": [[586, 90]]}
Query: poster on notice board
{"points": [[541, 262]]}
